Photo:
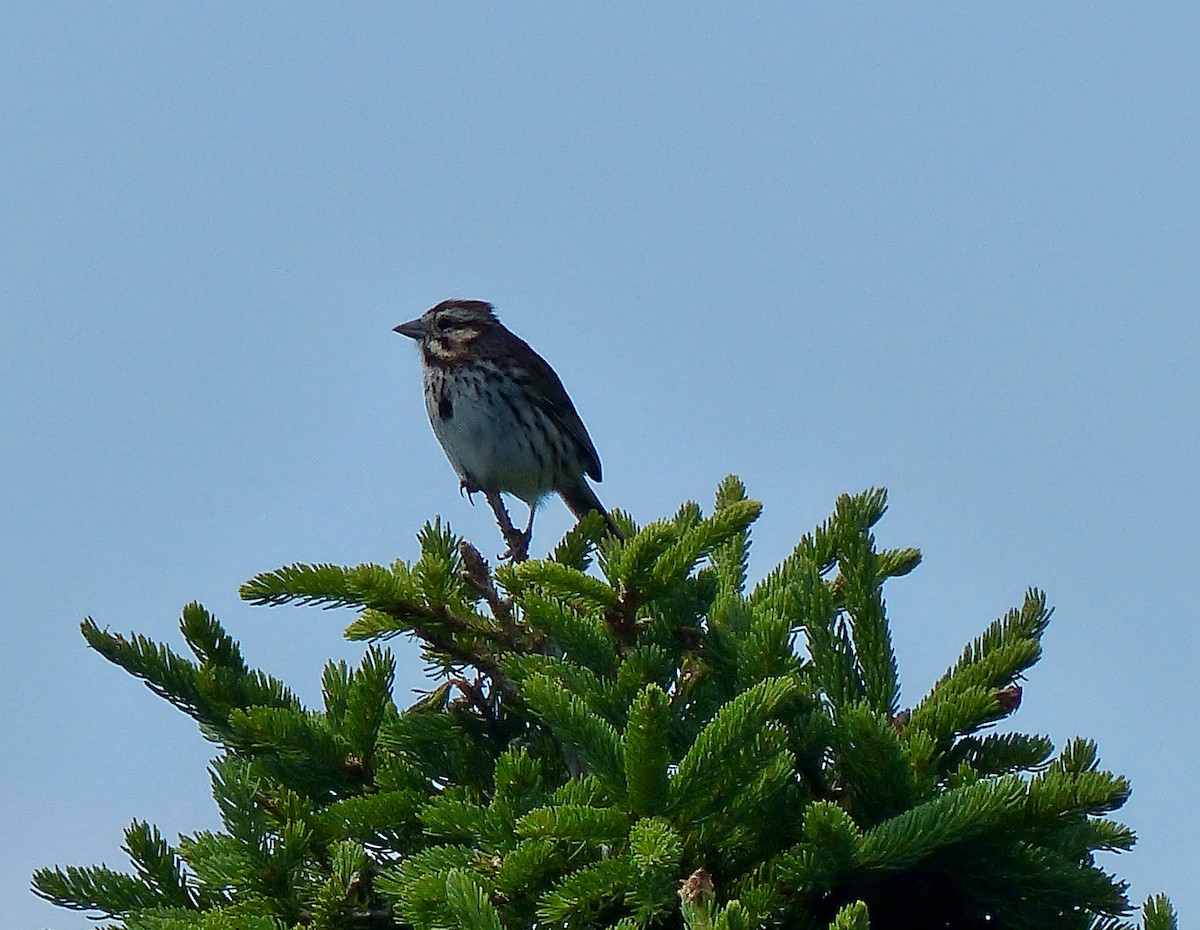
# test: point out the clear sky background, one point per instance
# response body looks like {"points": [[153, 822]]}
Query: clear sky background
{"points": [[955, 252]]}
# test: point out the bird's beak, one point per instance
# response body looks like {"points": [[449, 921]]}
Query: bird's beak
{"points": [[413, 329]]}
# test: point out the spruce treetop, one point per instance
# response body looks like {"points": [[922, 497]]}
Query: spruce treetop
{"points": [[623, 735]]}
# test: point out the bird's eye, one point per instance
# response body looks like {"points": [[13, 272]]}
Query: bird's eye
{"points": [[443, 324]]}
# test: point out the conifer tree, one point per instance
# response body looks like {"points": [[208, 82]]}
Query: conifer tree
{"points": [[623, 735]]}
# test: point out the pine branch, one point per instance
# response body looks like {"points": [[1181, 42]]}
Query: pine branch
{"points": [[575, 548], [208, 692], [418, 885], [730, 522], [975, 692], [570, 584], [852, 917], [330, 586], [573, 723], [811, 605], [468, 902], [655, 852], [635, 565], [950, 713], [816, 552], [385, 820], [1000, 754], [952, 819], [581, 894], [860, 583], [1009, 646], [646, 750], [580, 636], [575, 823], [872, 766], [478, 576], [731, 558], [158, 865], [454, 815], [97, 888], [702, 768], [1159, 914]]}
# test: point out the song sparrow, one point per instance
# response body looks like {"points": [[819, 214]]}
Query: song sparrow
{"points": [[502, 415]]}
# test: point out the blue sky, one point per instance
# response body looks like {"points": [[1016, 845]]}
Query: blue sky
{"points": [[952, 252]]}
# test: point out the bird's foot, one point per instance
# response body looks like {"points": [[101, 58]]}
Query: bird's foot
{"points": [[518, 546], [518, 542]]}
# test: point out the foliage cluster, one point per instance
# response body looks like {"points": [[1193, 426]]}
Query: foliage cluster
{"points": [[623, 735]]}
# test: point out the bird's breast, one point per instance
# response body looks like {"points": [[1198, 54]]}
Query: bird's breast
{"points": [[493, 435]]}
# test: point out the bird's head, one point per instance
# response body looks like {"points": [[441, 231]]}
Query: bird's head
{"points": [[449, 327]]}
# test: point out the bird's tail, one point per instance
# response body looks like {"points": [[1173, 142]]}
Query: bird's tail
{"points": [[581, 500]]}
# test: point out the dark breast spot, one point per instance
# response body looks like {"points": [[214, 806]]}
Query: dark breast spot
{"points": [[445, 408]]}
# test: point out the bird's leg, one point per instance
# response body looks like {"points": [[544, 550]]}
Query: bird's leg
{"points": [[518, 542], [468, 488], [527, 536]]}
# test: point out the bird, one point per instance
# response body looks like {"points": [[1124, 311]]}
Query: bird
{"points": [[502, 416]]}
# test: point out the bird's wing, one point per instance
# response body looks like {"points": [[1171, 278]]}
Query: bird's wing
{"points": [[556, 404]]}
